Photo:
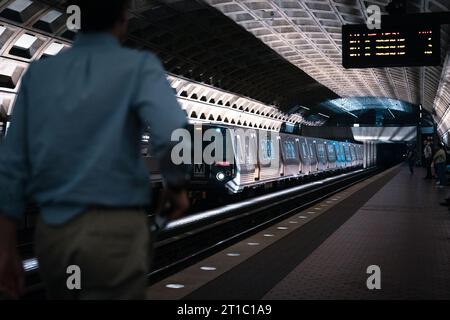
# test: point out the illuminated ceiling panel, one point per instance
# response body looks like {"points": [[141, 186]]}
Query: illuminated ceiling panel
{"points": [[308, 34], [346, 105], [202, 102], [386, 134]]}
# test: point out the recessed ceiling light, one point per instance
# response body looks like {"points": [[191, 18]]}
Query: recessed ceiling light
{"points": [[233, 254], [175, 286], [208, 268]]}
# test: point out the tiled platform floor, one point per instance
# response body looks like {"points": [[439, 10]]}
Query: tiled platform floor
{"points": [[402, 229]]}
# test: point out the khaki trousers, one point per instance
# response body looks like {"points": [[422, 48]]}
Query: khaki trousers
{"points": [[110, 247]]}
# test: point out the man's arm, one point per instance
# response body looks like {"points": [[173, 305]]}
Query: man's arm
{"points": [[159, 110], [14, 172]]}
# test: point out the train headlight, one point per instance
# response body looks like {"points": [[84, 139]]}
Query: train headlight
{"points": [[220, 176]]}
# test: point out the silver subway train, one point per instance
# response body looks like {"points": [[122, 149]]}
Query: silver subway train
{"points": [[254, 158]]}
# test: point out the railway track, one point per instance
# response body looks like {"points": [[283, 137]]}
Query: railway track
{"points": [[188, 240]]}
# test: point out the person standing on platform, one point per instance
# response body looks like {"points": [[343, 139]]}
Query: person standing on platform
{"points": [[411, 157], [428, 156], [74, 148], [440, 164]]}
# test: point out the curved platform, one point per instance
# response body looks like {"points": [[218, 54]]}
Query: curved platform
{"points": [[392, 220]]}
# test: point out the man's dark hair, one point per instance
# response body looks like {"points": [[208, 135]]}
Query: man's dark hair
{"points": [[100, 15]]}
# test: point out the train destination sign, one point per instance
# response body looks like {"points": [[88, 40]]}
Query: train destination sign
{"points": [[404, 46]]}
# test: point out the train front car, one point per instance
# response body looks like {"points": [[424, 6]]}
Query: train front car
{"points": [[213, 162]]}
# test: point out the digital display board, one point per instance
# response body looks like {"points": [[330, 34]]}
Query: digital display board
{"points": [[404, 46]]}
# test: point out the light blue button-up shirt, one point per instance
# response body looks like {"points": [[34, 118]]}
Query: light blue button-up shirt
{"points": [[74, 139]]}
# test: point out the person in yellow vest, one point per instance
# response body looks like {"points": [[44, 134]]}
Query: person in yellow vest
{"points": [[440, 165]]}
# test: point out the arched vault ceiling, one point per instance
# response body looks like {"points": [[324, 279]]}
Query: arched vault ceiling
{"points": [[198, 42], [307, 33], [281, 52]]}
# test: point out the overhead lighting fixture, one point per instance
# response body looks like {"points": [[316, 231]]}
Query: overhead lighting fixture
{"points": [[305, 108], [393, 116], [346, 110], [323, 115], [356, 125]]}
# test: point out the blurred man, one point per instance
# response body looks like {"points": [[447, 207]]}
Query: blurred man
{"points": [[74, 148]]}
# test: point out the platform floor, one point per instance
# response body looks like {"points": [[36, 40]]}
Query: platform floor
{"points": [[392, 220], [402, 229]]}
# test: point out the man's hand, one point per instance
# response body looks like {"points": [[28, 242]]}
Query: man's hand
{"points": [[174, 203], [11, 271]]}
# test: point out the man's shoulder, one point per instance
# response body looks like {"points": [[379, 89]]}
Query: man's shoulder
{"points": [[136, 54]]}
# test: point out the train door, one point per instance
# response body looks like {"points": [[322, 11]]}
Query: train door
{"points": [[342, 154], [340, 161], [269, 155], [304, 156], [331, 153], [290, 155], [353, 154], [359, 154], [321, 155], [312, 154], [245, 151], [348, 155]]}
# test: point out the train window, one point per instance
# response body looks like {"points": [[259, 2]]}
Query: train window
{"points": [[267, 150], [238, 148], [289, 150], [312, 153], [352, 152], [304, 151], [342, 151], [348, 154], [331, 149], [321, 153], [249, 150], [331, 153], [245, 150]]}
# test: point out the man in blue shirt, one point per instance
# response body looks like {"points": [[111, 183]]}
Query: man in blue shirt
{"points": [[74, 147]]}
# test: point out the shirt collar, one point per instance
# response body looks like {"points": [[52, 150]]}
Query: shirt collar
{"points": [[96, 39]]}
